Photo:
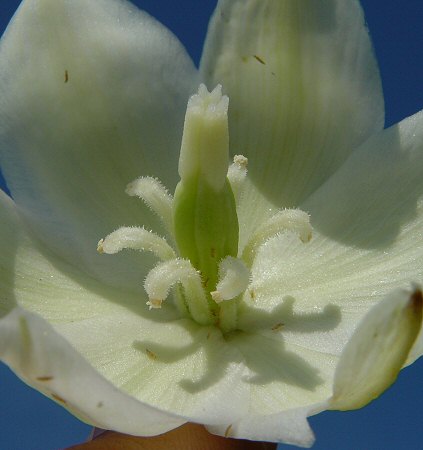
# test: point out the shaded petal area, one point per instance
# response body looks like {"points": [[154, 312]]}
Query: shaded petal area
{"points": [[304, 91], [374, 201], [92, 95], [367, 242], [46, 361]]}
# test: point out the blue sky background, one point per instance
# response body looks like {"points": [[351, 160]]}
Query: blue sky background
{"points": [[28, 421]]}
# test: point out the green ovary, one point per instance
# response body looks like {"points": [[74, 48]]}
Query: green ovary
{"points": [[206, 226]]}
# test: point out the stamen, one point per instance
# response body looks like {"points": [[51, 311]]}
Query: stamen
{"points": [[165, 275], [234, 278], [293, 220], [155, 196], [237, 174], [137, 239]]}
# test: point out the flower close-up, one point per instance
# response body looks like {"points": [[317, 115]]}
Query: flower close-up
{"points": [[237, 245]]}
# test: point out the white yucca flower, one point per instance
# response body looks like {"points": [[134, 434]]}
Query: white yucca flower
{"points": [[262, 293]]}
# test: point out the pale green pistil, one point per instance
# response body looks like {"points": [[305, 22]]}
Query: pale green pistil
{"points": [[203, 221], [204, 210]]}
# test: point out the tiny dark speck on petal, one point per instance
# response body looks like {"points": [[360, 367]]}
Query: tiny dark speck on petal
{"points": [[260, 60], [228, 431], [417, 301], [58, 398], [45, 378], [150, 354]]}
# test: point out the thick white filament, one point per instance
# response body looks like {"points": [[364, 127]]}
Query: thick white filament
{"points": [[237, 174], [137, 239], [155, 196], [234, 278], [293, 220], [165, 275]]}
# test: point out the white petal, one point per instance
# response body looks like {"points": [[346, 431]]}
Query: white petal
{"points": [[367, 222], [373, 357], [290, 427], [43, 359], [375, 199], [92, 95], [303, 85]]}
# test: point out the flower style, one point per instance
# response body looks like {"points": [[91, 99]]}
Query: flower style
{"points": [[275, 294]]}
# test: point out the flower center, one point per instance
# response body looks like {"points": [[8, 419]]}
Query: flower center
{"points": [[206, 269]]}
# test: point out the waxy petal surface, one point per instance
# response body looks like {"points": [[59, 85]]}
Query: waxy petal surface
{"points": [[92, 95], [46, 361], [304, 91], [367, 222]]}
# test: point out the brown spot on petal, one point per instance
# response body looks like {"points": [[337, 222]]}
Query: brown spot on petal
{"points": [[99, 404], [59, 399], [45, 378], [228, 431], [150, 354], [416, 301], [66, 76], [278, 326], [260, 60]]}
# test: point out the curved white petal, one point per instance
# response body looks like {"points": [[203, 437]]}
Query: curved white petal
{"points": [[92, 95], [373, 357], [374, 201], [367, 222], [46, 361], [290, 427], [304, 90]]}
